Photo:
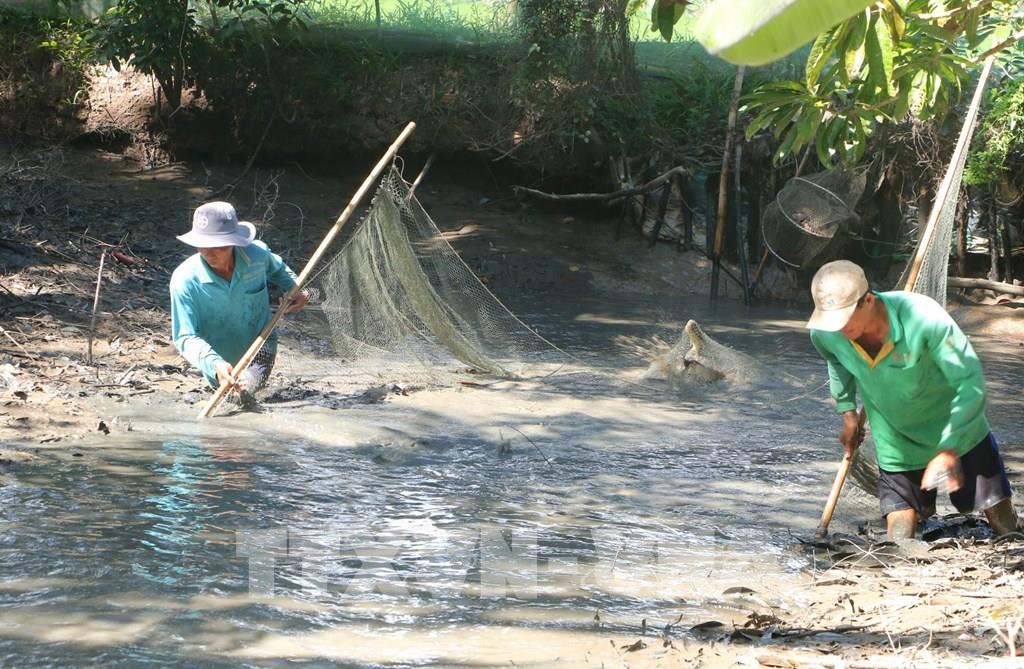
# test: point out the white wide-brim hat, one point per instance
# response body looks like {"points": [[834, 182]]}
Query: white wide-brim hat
{"points": [[216, 224]]}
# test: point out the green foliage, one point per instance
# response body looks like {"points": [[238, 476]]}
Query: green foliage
{"points": [[1000, 139], [43, 59], [665, 14], [578, 77], [875, 62], [157, 37], [549, 27], [692, 103], [470, 20], [895, 59], [165, 38]]}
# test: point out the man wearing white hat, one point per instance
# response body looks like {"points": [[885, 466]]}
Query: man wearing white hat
{"points": [[219, 296], [924, 392]]}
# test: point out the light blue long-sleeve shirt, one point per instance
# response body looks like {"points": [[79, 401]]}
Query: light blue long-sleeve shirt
{"points": [[214, 320]]}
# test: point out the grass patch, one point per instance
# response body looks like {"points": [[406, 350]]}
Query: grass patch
{"points": [[480, 19]]}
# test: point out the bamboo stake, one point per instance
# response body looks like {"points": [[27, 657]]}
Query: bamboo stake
{"points": [[289, 297], [419, 177], [95, 304], [760, 269], [723, 181], [741, 242]]}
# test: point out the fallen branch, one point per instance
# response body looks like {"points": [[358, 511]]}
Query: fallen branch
{"points": [[608, 197], [885, 662], [998, 286], [18, 355], [18, 344]]}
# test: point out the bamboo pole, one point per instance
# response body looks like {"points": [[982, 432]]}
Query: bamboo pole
{"points": [[723, 181], [997, 286], [961, 236], [247, 358], [741, 242]]}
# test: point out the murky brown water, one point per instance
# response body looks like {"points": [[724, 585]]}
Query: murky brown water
{"points": [[525, 522]]}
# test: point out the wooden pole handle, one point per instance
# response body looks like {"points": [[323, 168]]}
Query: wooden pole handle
{"points": [[833, 499], [837, 485], [261, 339]]}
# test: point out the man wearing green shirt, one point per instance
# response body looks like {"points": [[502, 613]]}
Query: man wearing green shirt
{"points": [[924, 393], [219, 296]]}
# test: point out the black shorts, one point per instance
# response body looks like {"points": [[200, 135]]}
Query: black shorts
{"points": [[985, 484]]}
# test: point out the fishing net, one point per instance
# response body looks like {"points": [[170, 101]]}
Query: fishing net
{"points": [[806, 224], [926, 273], [399, 303]]}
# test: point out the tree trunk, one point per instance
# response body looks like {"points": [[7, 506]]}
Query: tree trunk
{"points": [[590, 60], [889, 218], [754, 195], [993, 240], [213, 14], [1007, 245], [627, 62], [173, 78], [963, 207], [923, 200]]}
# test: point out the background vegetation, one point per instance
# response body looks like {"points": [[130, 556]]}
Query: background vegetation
{"points": [[556, 89]]}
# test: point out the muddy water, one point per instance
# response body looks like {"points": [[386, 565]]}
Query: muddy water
{"points": [[525, 522]]}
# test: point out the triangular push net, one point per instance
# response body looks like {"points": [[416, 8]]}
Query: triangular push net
{"points": [[925, 273], [397, 302]]}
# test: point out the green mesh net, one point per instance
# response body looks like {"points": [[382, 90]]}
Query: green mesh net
{"points": [[398, 302]]}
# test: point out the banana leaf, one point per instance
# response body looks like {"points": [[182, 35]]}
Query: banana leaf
{"points": [[755, 32]]}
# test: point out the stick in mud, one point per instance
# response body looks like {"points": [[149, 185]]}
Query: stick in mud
{"points": [[95, 303]]}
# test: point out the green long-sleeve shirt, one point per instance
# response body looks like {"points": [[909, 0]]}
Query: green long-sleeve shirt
{"points": [[923, 392]]}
